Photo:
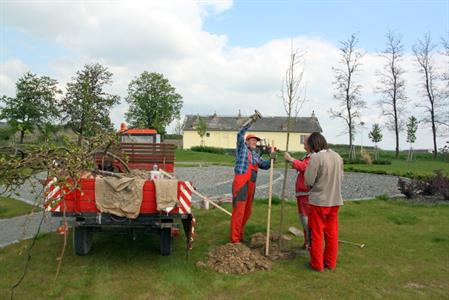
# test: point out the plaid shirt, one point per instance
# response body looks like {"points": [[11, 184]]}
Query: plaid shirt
{"points": [[241, 155]]}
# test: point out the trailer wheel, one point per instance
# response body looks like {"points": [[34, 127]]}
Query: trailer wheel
{"points": [[166, 241], [82, 240]]}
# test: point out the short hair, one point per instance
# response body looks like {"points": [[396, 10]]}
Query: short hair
{"points": [[317, 142]]}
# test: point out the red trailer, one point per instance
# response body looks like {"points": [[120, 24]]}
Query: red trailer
{"points": [[80, 204]]}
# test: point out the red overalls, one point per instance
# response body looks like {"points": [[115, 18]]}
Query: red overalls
{"points": [[243, 188]]}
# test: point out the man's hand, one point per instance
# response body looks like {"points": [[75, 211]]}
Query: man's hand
{"points": [[288, 157], [273, 153]]}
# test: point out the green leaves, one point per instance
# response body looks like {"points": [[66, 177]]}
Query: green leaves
{"points": [[153, 102], [86, 105], [376, 134], [35, 103]]}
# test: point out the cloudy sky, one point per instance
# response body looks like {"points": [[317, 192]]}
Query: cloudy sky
{"points": [[222, 56]]}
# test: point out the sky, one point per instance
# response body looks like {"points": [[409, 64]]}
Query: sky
{"points": [[224, 56]]}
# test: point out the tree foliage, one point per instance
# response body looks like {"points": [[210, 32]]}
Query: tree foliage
{"points": [[392, 85], [86, 105], [348, 92], [375, 134], [153, 102], [34, 105], [412, 127], [201, 128]]}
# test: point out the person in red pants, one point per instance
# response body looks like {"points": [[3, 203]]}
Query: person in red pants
{"points": [[246, 167], [323, 176], [302, 191]]}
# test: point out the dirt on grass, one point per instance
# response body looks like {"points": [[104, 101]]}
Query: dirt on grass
{"points": [[242, 259]]}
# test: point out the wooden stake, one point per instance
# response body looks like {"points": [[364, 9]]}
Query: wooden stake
{"points": [[270, 192], [199, 195]]}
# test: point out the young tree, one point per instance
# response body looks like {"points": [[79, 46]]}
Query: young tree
{"points": [[86, 105], [34, 104], [376, 136], [348, 91], [412, 127], [154, 102], [293, 97], [424, 51], [392, 85], [445, 78], [179, 127], [201, 129]]}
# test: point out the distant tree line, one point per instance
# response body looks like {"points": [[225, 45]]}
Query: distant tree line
{"points": [[39, 104], [391, 86]]}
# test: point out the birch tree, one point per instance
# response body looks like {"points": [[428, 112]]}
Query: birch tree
{"points": [[392, 85], [348, 91], [424, 53]]}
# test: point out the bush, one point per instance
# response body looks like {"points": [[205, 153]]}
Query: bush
{"points": [[208, 149], [354, 161], [441, 184], [381, 162], [426, 186], [406, 188]]}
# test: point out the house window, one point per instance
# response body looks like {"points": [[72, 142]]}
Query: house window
{"points": [[207, 134], [302, 138]]}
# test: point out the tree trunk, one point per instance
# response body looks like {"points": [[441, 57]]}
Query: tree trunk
{"points": [[284, 186], [434, 132], [396, 128], [22, 134]]}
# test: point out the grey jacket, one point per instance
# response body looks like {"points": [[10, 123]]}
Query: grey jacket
{"points": [[324, 175]]}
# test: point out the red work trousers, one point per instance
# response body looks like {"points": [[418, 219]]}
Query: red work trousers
{"points": [[323, 225], [244, 186], [303, 205]]}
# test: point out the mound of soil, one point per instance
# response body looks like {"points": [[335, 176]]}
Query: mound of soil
{"points": [[242, 259], [235, 259]]}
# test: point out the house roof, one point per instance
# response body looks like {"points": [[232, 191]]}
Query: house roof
{"points": [[270, 124]]}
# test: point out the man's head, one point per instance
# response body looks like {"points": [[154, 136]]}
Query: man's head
{"points": [[251, 141], [316, 142]]}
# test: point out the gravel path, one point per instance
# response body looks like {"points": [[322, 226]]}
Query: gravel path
{"points": [[213, 181], [216, 180]]}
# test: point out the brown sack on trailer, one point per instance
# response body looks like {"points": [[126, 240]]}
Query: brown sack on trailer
{"points": [[119, 196], [166, 193]]}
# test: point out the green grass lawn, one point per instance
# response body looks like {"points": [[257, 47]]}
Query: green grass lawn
{"points": [[424, 165], [10, 207], [406, 257], [203, 157], [403, 168]]}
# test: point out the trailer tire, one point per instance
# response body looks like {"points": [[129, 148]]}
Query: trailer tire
{"points": [[82, 240], [166, 241]]}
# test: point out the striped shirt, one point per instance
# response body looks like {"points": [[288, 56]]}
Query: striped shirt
{"points": [[241, 155]]}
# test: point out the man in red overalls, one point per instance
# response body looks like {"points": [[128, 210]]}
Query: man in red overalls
{"points": [[247, 164]]}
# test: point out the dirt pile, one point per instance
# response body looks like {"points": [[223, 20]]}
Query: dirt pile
{"points": [[235, 259]]}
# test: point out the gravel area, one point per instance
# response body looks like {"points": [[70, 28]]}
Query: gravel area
{"points": [[216, 180], [212, 181]]}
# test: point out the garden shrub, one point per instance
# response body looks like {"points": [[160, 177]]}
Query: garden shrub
{"points": [[426, 186], [208, 149]]}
